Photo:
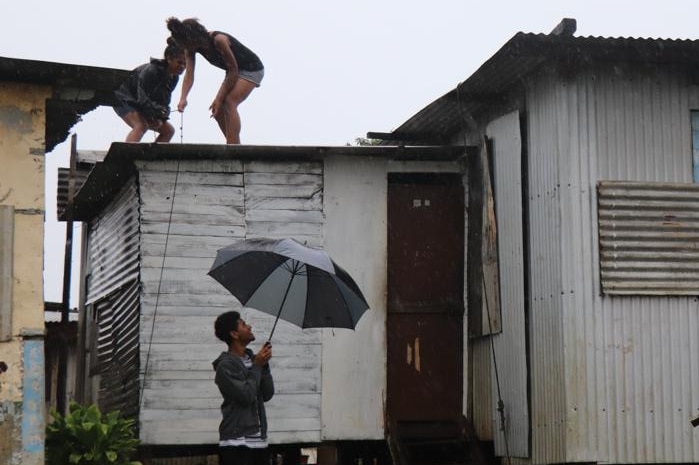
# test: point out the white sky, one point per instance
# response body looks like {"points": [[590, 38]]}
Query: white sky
{"points": [[334, 69]]}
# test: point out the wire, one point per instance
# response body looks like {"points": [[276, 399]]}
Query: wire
{"points": [[160, 282], [181, 126], [501, 404]]}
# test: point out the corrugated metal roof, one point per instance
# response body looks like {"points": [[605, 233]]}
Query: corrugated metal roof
{"points": [[520, 56], [85, 161]]}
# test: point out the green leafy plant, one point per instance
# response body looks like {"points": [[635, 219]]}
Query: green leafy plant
{"points": [[87, 437]]}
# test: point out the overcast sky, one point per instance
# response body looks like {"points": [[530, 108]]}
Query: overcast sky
{"points": [[334, 69]]}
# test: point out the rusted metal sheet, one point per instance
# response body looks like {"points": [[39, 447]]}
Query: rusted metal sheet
{"points": [[113, 245], [649, 238]]}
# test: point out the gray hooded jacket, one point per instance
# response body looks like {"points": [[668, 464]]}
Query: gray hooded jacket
{"points": [[245, 391]]}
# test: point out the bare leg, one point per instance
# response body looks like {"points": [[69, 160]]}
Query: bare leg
{"points": [[138, 125], [229, 118], [165, 132]]}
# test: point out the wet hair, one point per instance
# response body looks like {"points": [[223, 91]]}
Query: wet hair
{"points": [[173, 49], [187, 32], [225, 323]]}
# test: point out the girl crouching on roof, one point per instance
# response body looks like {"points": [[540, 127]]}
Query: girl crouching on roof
{"points": [[144, 99]]}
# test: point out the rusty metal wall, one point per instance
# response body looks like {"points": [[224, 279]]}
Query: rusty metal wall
{"points": [[649, 233], [113, 246], [613, 378]]}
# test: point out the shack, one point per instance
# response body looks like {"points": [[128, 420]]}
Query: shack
{"points": [[393, 217], [593, 158]]}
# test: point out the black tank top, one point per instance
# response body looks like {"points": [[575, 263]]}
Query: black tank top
{"points": [[246, 58]]}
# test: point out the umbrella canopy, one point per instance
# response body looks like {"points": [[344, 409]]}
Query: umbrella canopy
{"points": [[290, 281]]}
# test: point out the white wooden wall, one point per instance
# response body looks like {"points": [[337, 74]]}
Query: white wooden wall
{"points": [[189, 210], [354, 374]]}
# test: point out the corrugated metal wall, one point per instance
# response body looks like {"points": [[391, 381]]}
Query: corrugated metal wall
{"points": [[113, 245], [649, 236], [117, 350], [112, 286], [512, 438], [629, 365]]}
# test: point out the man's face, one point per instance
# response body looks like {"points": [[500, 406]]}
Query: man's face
{"points": [[244, 333]]}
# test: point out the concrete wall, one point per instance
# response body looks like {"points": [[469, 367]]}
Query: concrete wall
{"points": [[22, 128]]}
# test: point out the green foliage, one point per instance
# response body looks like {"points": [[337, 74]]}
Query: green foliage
{"points": [[363, 141], [87, 437]]}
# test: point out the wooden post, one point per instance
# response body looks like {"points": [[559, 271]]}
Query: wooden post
{"points": [[61, 387]]}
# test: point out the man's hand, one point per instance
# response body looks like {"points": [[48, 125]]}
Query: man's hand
{"points": [[182, 105], [264, 354]]}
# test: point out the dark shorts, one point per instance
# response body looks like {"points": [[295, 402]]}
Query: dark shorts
{"points": [[123, 109], [241, 455]]}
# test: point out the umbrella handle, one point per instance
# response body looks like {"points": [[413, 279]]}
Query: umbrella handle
{"points": [[281, 306]]}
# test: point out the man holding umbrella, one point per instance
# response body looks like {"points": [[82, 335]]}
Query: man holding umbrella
{"points": [[246, 383]]}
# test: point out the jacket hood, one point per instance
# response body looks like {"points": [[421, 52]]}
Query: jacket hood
{"points": [[221, 357], [227, 356]]}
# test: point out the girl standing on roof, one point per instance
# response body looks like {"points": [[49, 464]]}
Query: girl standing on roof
{"points": [[144, 99], [244, 71]]}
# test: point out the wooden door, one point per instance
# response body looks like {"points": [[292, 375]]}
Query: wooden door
{"points": [[425, 298]]}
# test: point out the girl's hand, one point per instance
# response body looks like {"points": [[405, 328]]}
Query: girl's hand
{"points": [[182, 105], [215, 108]]}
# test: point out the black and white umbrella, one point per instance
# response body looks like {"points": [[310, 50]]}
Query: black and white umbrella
{"points": [[288, 280]]}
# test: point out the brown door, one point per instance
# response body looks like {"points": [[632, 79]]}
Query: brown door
{"points": [[425, 297]]}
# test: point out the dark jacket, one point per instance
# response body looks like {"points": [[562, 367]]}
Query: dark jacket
{"points": [[245, 391], [148, 89]]}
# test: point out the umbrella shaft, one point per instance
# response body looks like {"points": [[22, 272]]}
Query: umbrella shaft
{"points": [[281, 306]]}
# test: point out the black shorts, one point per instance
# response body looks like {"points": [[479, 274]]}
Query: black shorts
{"points": [[123, 109], [241, 455]]}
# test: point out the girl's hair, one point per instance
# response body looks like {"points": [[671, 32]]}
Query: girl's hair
{"points": [[173, 49], [186, 32]]}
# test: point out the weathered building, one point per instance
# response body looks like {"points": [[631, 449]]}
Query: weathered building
{"points": [[593, 159], [157, 214], [39, 102]]}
